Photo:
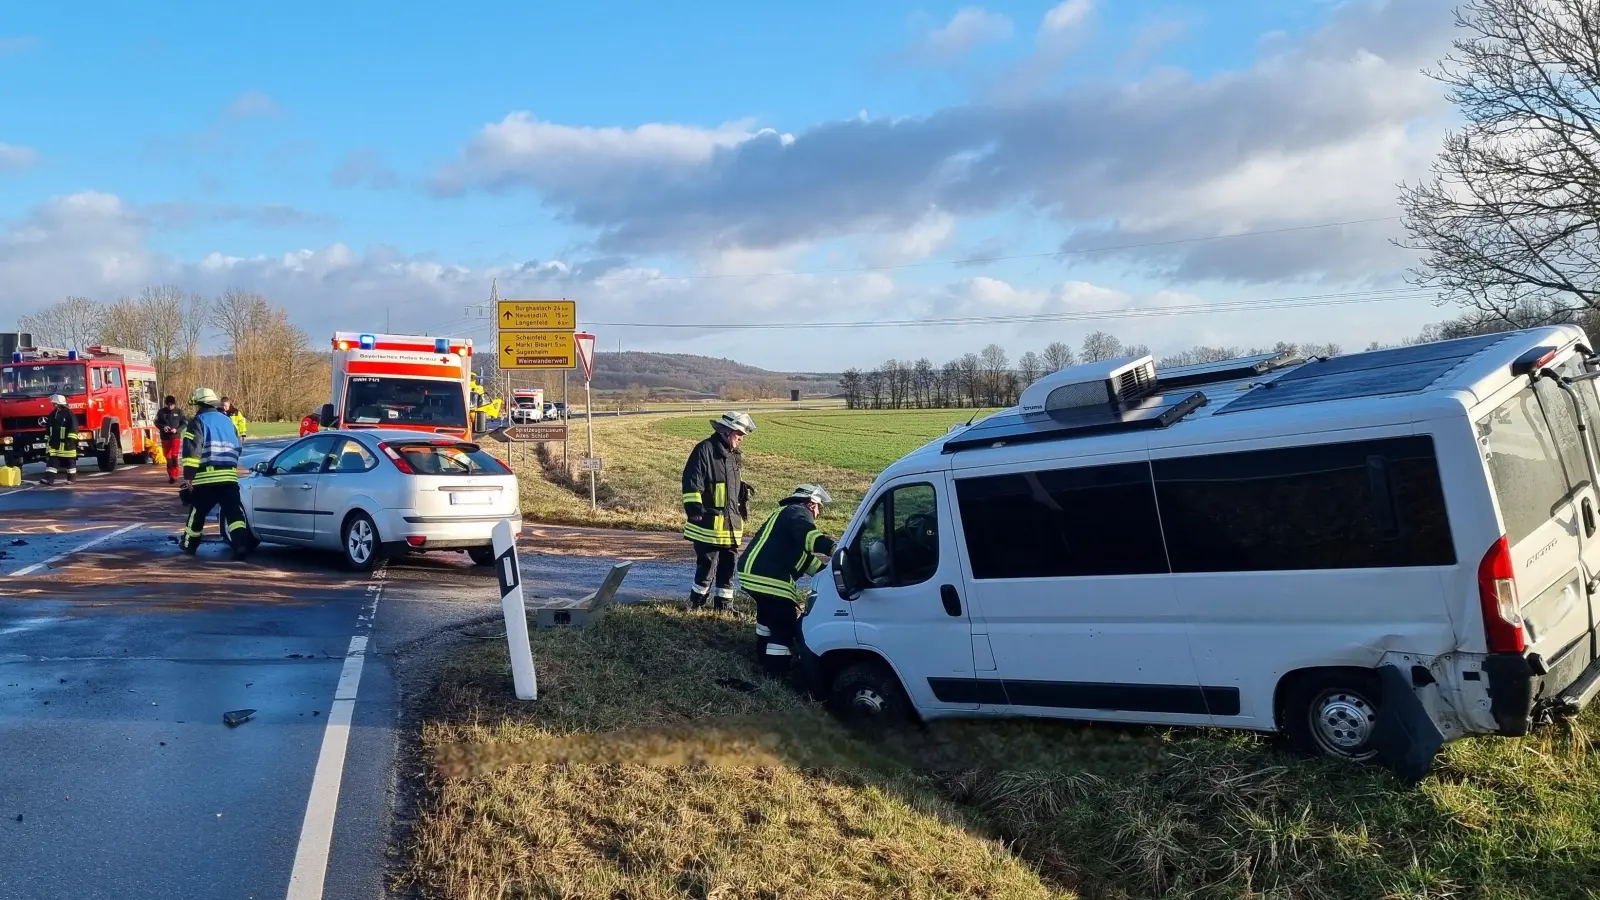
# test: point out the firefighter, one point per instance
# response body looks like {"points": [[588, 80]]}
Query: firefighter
{"points": [[786, 547], [211, 449], [170, 421], [61, 440], [240, 423], [715, 502]]}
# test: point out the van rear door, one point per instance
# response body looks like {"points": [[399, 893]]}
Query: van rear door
{"points": [[1528, 470]]}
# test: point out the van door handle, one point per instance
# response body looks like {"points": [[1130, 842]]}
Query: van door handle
{"points": [[952, 600], [1588, 518]]}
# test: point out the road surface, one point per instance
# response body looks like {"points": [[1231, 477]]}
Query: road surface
{"points": [[119, 657]]}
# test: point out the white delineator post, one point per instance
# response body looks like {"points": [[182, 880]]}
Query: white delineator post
{"points": [[509, 572], [584, 342]]}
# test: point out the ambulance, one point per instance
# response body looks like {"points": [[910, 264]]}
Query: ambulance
{"points": [[405, 381]]}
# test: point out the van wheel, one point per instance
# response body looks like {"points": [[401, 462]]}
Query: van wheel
{"points": [[1333, 715], [481, 556], [868, 695], [361, 545]]}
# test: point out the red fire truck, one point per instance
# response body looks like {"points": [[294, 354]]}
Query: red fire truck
{"points": [[112, 390]]}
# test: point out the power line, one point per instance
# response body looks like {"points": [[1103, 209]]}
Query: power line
{"points": [[1308, 301]]}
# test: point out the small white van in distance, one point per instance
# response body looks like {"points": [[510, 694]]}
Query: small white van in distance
{"points": [[1373, 553]]}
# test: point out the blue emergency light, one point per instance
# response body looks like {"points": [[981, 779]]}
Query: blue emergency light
{"points": [[441, 345], [16, 356], [368, 341], [72, 354]]}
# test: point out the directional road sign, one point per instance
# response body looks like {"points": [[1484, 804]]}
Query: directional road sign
{"points": [[537, 315], [536, 432], [537, 350]]}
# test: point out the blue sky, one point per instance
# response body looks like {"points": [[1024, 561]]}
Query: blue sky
{"points": [[355, 159]]}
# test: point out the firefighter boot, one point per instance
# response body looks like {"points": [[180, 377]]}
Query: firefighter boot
{"points": [[697, 600]]}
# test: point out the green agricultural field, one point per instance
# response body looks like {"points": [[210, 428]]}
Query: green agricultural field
{"points": [[859, 440]]}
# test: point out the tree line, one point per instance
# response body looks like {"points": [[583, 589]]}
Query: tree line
{"points": [[988, 378], [265, 364]]}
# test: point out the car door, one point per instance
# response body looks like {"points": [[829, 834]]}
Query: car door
{"points": [[284, 501], [345, 476], [914, 611]]}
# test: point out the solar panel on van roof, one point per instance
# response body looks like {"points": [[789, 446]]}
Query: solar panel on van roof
{"points": [[1380, 373], [1222, 370], [1157, 411]]}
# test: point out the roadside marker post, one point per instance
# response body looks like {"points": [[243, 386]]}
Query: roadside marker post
{"points": [[583, 343], [509, 573]]}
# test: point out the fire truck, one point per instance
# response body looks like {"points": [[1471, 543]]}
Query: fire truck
{"points": [[400, 381], [111, 389]]}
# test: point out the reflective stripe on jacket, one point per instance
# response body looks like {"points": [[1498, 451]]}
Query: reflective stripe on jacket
{"points": [[241, 425], [211, 449], [61, 432], [782, 551], [711, 480]]}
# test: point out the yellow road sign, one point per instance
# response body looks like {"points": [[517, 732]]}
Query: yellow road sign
{"points": [[537, 315], [537, 350]]}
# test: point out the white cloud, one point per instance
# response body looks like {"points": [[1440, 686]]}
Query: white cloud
{"points": [[1064, 20], [14, 158], [365, 167], [970, 28], [252, 105]]}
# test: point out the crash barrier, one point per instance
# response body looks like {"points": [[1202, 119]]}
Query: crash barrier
{"points": [[10, 476]]}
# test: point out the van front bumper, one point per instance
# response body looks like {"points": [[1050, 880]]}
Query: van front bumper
{"points": [[1524, 690], [809, 664]]}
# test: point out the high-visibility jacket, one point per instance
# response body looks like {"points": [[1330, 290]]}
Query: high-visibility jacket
{"points": [[211, 449], [711, 482], [241, 425], [61, 432], [782, 552]]}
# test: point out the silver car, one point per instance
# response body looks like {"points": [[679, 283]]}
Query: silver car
{"points": [[372, 493]]}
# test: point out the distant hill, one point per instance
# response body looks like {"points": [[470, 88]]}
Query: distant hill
{"points": [[705, 376]]}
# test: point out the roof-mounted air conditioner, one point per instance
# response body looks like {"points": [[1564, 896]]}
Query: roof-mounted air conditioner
{"points": [[1091, 384]]}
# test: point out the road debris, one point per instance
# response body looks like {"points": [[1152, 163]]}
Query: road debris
{"points": [[19, 542], [234, 718]]}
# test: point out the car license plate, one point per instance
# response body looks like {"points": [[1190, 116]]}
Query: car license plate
{"points": [[472, 498], [36, 447]]}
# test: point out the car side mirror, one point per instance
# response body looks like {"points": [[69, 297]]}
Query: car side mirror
{"points": [[327, 419], [876, 559], [261, 468]]}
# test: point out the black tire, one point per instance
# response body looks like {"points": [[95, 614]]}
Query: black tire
{"points": [[1333, 714], [867, 695], [481, 556], [111, 457], [360, 532]]}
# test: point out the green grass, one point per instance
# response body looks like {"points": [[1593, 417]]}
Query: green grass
{"points": [[859, 440], [659, 763], [274, 429]]}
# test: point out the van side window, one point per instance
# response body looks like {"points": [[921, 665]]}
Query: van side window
{"points": [[1524, 464], [1099, 520], [902, 532], [1360, 504]]}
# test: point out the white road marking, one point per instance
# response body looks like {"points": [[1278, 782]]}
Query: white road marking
{"points": [[28, 570], [316, 830], [17, 490]]}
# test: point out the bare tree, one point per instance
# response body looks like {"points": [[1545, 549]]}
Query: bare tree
{"points": [[1509, 220], [1197, 354], [995, 366], [922, 376], [1135, 350], [1058, 356], [1029, 368], [74, 322], [1101, 345], [971, 369], [123, 325]]}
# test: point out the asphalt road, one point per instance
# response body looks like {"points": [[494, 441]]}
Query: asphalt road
{"points": [[119, 657]]}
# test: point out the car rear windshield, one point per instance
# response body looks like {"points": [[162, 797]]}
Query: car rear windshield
{"points": [[404, 401], [449, 459]]}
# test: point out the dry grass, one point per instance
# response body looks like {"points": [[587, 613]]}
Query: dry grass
{"points": [[659, 764]]}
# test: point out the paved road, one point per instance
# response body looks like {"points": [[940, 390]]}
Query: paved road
{"points": [[119, 656]]}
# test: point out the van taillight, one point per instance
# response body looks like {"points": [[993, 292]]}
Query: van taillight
{"points": [[398, 460], [1497, 593]]}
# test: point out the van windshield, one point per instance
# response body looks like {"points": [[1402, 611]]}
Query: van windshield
{"points": [[41, 380], [1525, 464], [404, 401]]}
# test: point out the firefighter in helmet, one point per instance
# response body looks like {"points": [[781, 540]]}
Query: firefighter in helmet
{"points": [[211, 448], [715, 502], [61, 441], [785, 548]]}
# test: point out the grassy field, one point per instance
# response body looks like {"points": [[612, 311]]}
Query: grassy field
{"points": [[658, 763], [274, 429], [842, 450]]}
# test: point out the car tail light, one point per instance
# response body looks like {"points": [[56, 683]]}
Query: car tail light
{"points": [[416, 540], [394, 457], [1497, 593]]}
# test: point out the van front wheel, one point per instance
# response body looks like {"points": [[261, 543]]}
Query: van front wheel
{"points": [[868, 695], [1333, 714]]}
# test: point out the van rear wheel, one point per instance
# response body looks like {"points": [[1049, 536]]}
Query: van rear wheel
{"points": [[868, 695], [1333, 715]]}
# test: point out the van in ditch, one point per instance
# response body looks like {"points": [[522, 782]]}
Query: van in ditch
{"points": [[1373, 553]]}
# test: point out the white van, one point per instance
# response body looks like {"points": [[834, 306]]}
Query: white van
{"points": [[1372, 553]]}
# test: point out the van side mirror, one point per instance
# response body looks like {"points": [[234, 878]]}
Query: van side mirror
{"points": [[326, 418], [876, 559], [843, 582]]}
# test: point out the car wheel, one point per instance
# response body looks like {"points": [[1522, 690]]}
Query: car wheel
{"points": [[1333, 715], [481, 556], [111, 457], [868, 695], [361, 544]]}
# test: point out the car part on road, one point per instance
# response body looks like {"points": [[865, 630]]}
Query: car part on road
{"points": [[236, 717], [361, 547]]}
